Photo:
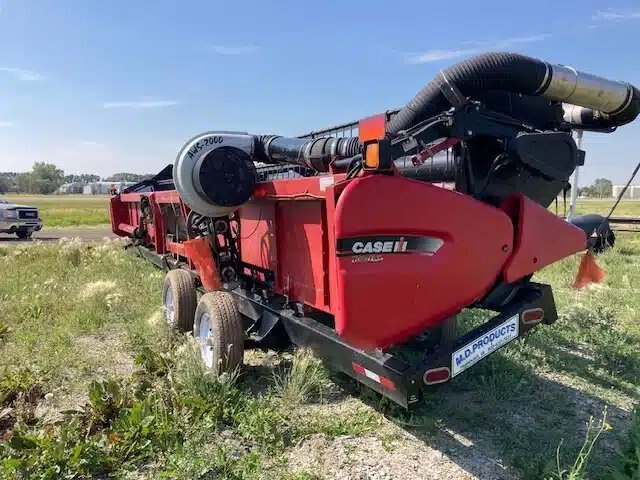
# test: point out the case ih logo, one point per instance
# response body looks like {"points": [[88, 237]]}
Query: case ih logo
{"points": [[380, 246], [388, 244]]}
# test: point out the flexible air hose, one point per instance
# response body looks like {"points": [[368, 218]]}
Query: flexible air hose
{"points": [[613, 103]]}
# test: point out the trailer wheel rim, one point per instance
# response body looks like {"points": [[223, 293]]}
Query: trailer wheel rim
{"points": [[205, 333], [169, 311]]}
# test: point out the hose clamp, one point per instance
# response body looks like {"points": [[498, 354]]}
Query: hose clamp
{"points": [[451, 92]]}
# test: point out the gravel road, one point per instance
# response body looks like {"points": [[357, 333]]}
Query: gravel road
{"points": [[86, 234]]}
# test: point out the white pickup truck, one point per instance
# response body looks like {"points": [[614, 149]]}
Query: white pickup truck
{"points": [[19, 219]]}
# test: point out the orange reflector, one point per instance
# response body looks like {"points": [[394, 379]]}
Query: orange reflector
{"points": [[588, 272], [437, 375], [372, 156], [533, 315], [199, 252], [372, 128]]}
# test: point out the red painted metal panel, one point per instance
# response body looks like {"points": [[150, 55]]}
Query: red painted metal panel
{"points": [[372, 128], [542, 238], [167, 196], [396, 295], [123, 227], [331, 284], [258, 234], [309, 188], [177, 248], [199, 252], [301, 270], [130, 197], [291, 239]]}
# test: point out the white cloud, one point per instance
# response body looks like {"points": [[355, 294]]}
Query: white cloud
{"points": [[22, 74], [240, 50], [611, 15], [437, 55], [6, 124], [140, 104], [91, 144]]}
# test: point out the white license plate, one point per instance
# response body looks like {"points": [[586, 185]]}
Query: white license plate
{"points": [[485, 344]]}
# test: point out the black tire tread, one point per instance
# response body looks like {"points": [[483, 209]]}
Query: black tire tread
{"points": [[228, 339], [183, 285], [449, 330]]}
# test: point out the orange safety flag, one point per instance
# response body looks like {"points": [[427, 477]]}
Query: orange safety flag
{"points": [[588, 272], [199, 252]]}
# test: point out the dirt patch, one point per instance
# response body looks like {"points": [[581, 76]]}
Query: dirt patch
{"points": [[107, 356], [99, 287], [404, 457], [618, 415], [108, 353]]}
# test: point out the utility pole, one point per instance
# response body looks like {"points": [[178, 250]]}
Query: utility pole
{"points": [[574, 183]]}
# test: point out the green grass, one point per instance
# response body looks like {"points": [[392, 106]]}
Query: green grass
{"points": [[627, 465], [93, 383], [68, 210], [626, 208], [81, 332]]}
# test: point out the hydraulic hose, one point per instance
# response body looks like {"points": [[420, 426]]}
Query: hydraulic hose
{"points": [[315, 154], [609, 103]]}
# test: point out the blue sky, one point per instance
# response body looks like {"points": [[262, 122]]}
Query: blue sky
{"points": [[107, 86]]}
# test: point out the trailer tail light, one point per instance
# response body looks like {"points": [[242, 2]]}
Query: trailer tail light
{"points": [[437, 375], [385, 382], [533, 315]]}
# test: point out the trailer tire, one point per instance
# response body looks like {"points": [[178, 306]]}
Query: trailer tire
{"points": [[218, 328], [179, 299]]}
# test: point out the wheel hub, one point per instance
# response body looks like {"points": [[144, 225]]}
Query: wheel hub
{"points": [[204, 336], [169, 311]]}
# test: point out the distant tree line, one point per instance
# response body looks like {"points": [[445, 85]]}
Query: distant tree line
{"points": [[127, 177], [82, 178], [600, 188], [46, 178]]}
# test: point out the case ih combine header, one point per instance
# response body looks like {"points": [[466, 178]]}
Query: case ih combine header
{"points": [[365, 248]]}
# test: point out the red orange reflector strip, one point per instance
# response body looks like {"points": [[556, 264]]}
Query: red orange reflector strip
{"points": [[372, 128], [385, 382], [534, 315], [437, 375]]}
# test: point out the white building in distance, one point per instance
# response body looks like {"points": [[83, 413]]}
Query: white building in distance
{"points": [[632, 193]]}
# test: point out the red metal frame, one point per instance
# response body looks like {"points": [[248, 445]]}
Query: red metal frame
{"points": [[126, 219]]}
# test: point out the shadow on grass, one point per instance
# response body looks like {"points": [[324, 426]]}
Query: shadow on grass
{"points": [[501, 414], [505, 418]]}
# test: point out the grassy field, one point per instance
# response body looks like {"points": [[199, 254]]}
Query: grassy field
{"points": [[626, 208], [68, 210], [92, 383]]}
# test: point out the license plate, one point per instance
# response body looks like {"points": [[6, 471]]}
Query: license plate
{"points": [[484, 345]]}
